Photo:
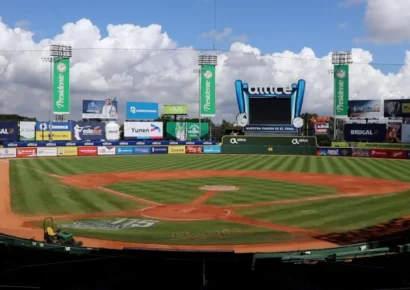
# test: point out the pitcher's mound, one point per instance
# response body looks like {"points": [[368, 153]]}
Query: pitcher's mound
{"points": [[219, 187]]}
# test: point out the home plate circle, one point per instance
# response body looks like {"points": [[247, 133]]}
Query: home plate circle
{"points": [[219, 187], [185, 212]]}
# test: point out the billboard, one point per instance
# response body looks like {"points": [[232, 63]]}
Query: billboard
{"points": [[142, 111], [341, 90], [106, 150], [398, 108], [143, 130], [61, 131], [27, 131], [321, 125], [182, 131], [365, 109], [47, 151], [393, 134], [106, 109], [61, 86], [365, 132], [8, 152], [207, 100], [344, 152], [270, 109], [9, 131], [175, 110], [87, 131], [405, 133]]}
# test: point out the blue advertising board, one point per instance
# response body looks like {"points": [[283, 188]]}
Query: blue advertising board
{"points": [[9, 131], [334, 152], [142, 150], [142, 111], [212, 149], [88, 131], [124, 150], [100, 109], [55, 126], [159, 150]]}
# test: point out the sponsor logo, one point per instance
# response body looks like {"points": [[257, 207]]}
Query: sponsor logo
{"points": [[45, 152], [212, 149], [8, 153], [377, 153], [134, 110], [67, 151], [159, 149], [397, 154], [359, 152], [142, 150], [26, 152], [270, 90], [193, 149], [176, 149], [299, 141], [363, 132], [106, 150], [7, 131], [236, 141], [124, 150], [155, 128], [87, 151], [118, 224]]}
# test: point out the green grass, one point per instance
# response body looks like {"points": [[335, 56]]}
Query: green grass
{"points": [[181, 233], [251, 190], [331, 215]]}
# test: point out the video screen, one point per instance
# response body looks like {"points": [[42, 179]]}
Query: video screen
{"points": [[270, 111]]}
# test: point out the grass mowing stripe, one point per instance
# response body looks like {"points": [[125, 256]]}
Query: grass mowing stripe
{"points": [[401, 173], [326, 165], [383, 171], [286, 164], [340, 167]]}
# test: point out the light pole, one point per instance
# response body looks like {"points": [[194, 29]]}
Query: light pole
{"points": [[57, 52], [339, 58]]}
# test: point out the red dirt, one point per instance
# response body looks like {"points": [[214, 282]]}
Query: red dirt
{"points": [[13, 224]]}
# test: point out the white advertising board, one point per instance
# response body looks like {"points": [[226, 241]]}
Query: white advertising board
{"points": [[8, 152], [46, 152], [143, 130], [106, 150]]}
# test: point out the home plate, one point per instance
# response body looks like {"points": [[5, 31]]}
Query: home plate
{"points": [[219, 188]]}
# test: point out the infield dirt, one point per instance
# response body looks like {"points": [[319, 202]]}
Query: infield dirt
{"points": [[347, 186]]}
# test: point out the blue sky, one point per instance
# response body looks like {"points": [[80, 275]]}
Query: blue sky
{"points": [[270, 25]]}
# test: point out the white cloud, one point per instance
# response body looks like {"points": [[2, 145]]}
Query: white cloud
{"points": [[218, 35], [136, 63], [23, 24]]}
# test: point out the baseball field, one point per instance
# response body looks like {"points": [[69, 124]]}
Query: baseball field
{"points": [[240, 202]]}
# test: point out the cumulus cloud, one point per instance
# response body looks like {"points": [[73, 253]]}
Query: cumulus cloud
{"points": [[134, 63], [219, 35]]}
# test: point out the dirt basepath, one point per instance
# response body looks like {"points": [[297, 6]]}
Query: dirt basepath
{"points": [[347, 186]]}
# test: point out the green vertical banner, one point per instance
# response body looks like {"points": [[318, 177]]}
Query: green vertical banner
{"points": [[61, 86], [341, 93], [207, 104]]}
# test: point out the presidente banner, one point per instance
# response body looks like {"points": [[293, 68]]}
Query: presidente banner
{"points": [[9, 131], [405, 133], [100, 109], [321, 125], [88, 131], [175, 110], [365, 109], [61, 88], [341, 90], [365, 132], [207, 103], [143, 130], [270, 141], [27, 131], [393, 132], [61, 131], [182, 131], [397, 108], [142, 111]]}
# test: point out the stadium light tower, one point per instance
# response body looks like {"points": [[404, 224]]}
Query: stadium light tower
{"points": [[204, 60], [56, 52]]}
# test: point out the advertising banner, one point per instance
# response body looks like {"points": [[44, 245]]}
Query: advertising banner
{"points": [[182, 131], [321, 125], [124, 150], [87, 151], [175, 110], [176, 149], [61, 87], [9, 131], [379, 153], [408, 154], [159, 150], [193, 149], [393, 134], [398, 108], [341, 90], [334, 152], [142, 111], [27, 131], [26, 152], [8, 152], [270, 141], [365, 132], [365, 109], [89, 131], [143, 130], [67, 151], [47, 151], [207, 101], [142, 150], [101, 109], [212, 149], [61, 131], [106, 150], [360, 152], [405, 133], [397, 154]]}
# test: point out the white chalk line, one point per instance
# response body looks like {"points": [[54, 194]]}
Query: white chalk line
{"points": [[228, 212], [114, 192]]}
